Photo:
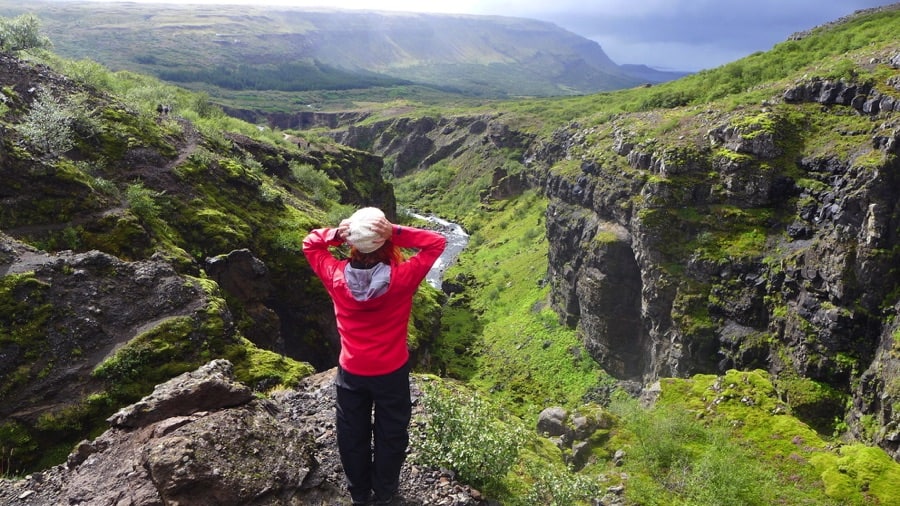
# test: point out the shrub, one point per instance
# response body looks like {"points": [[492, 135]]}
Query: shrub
{"points": [[319, 186], [142, 202], [48, 125], [462, 433], [554, 487], [21, 33], [15, 440]]}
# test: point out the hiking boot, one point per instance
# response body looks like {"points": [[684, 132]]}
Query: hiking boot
{"points": [[393, 499], [361, 502]]}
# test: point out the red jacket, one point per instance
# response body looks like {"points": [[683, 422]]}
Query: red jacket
{"points": [[374, 331]]}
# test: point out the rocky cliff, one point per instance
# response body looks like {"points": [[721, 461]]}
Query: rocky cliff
{"points": [[739, 250]]}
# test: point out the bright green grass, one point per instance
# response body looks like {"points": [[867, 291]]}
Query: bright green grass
{"points": [[801, 466], [522, 354]]}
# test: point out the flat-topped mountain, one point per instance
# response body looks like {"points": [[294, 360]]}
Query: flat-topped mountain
{"points": [[291, 49]]}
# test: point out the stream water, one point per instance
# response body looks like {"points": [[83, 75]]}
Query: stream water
{"points": [[457, 238]]}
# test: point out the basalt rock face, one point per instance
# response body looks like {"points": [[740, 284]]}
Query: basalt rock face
{"points": [[736, 245], [300, 120], [248, 280]]}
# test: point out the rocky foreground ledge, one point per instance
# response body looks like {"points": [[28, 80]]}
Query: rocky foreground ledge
{"points": [[202, 439]]}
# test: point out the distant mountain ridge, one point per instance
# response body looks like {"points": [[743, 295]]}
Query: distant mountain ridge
{"points": [[243, 47]]}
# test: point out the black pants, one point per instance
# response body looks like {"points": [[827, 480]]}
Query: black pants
{"points": [[377, 470]]}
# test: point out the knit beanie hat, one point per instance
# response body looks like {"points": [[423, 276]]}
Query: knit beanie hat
{"points": [[363, 236]]}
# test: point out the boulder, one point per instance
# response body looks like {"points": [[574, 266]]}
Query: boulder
{"points": [[210, 387]]}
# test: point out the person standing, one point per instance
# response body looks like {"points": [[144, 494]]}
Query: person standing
{"points": [[372, 293]]}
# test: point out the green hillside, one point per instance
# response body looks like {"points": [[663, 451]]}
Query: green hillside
{"points": [[257, 48]]}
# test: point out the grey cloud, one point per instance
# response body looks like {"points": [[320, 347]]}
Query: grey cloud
{"points": [[696, 34]]}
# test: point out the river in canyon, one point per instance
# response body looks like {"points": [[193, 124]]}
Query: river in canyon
{"points": [[457, 239]]}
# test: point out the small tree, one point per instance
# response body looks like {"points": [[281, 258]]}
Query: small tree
{"points": [[48, 125], [142, 202], [21, 33]]}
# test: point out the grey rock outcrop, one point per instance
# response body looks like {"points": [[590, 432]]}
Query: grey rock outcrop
{"points": [[416, 144], [861, 97], [574, 433], [247, 279], [116, 300], [201, 439], [210, 388], [180, 445]]}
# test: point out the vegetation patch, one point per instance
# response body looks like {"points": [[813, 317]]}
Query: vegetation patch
{"points": [[463, 432], [814, 402], [263, 369], [673, 457], [23, 326], [747, 404]]}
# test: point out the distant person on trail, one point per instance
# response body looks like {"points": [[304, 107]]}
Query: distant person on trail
{"points": [[372, 292]]}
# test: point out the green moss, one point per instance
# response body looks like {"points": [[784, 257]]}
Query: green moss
{"points": [[746, 244], [752, 126], [453, 351], [811, 184], [835, 133], [814, 402], [729, 234], [425, 318], [234, 169], [690, 309], [68, 171], [24, 316], [605, 237], [121, 129], [214, 325], [15, 440], [150, 358], [263, 368], [733, 156], [859, 474], [222, 229], [123, 236]]}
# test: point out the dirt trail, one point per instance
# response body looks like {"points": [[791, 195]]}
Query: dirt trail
{"points": [[161, 179]]}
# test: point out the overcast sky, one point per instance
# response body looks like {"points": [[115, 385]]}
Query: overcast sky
{"points": [[665, 34]]}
